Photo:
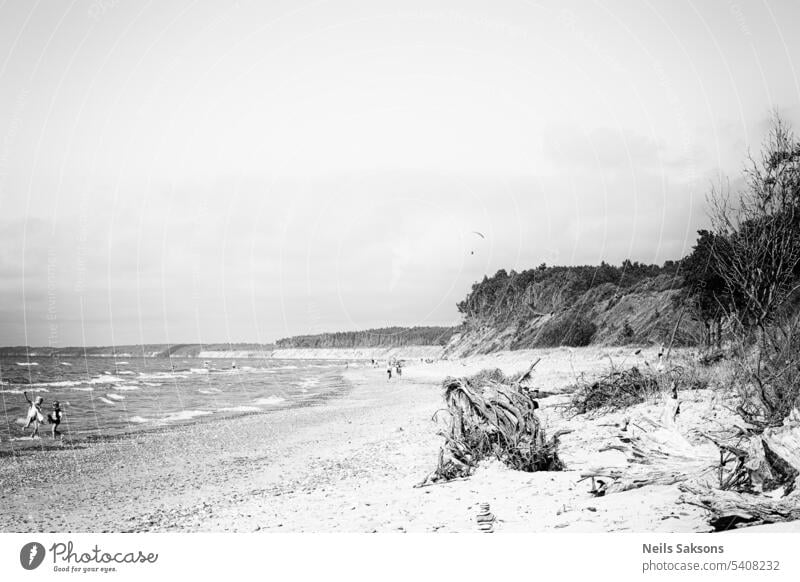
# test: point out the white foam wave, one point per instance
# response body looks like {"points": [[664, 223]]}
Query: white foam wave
{"points": [[270, 401], [106, 378], [24, 388], [116, 396], [159, 375], [59, 384], [184, 415], [27, 363]]}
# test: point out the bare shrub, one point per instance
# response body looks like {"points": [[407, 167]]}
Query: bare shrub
{"points": [[757, 248], [756, 253], [769, 375]]}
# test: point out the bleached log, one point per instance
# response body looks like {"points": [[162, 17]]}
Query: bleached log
{"points": [[729, 508]]}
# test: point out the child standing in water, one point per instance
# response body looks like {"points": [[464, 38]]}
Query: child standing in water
{"points": [[35, 415], [54, 418]]}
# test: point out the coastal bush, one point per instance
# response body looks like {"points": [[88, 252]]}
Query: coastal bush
{"points": [[573, 330], [627, 331]]}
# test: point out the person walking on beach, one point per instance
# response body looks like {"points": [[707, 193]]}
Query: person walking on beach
{"points": [[54, 418], [389, 371], [35, 415]]}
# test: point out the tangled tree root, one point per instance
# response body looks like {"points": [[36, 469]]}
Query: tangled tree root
{"points": [[492, 416]]}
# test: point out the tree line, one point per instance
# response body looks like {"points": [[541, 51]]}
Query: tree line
{"points": [[387, 337]]}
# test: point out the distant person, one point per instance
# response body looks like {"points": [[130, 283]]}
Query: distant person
{"points": [[399, 370], [35, 415], [389, 371], [54, 418]]}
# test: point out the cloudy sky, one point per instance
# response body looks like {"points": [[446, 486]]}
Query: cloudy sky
{"points": [[188, 171]]}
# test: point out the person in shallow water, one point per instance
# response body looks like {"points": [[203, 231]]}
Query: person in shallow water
{"points": [[389, 371], [54, 418], [35, 415]]}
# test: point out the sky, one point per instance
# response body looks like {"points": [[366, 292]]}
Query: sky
{"points": [[204, 172]]}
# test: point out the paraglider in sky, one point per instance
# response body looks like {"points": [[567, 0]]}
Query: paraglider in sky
{"points": [[480, 234]]}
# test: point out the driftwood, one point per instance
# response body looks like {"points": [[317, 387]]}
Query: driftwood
{"points": [[493, 416], [769, 463], [729, 508], [618, 481], [656, 454]]}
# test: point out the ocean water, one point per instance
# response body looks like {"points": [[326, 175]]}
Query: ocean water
{"points": [[107, 396]]}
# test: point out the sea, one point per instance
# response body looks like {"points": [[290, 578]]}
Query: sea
{"points": [[103, 396]]}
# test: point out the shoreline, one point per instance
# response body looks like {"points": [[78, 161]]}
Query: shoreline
{"points": [[167, 478], [27, 445]]}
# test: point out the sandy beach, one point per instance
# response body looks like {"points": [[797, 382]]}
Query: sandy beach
{"points": [[350, 464]]}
